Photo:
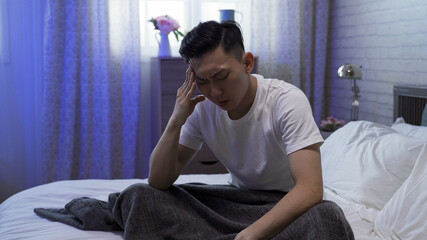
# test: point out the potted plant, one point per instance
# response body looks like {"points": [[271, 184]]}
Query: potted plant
{"points": [[165, 24], [329, 125]]}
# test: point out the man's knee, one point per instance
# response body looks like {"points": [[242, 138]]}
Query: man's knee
{"points": [[329, 219], [134, 191], [329, 209], [138, 188]]}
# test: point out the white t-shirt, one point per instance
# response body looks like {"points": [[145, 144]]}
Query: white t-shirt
{"points": [[254, 148]]}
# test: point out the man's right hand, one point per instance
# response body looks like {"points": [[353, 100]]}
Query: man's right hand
{"points": [[185, 102], [168, 157]]}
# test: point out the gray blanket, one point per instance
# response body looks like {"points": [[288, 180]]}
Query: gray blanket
{"points": [[194, 211]]}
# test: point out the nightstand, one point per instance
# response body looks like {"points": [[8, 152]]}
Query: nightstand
{"points": [[325, 134]]}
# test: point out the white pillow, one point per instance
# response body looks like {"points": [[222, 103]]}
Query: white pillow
{"points": [[405, 215], [367, 162], [406, 129]]}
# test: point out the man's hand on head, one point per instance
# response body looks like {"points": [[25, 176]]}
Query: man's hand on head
{"points": [[185, 102]]}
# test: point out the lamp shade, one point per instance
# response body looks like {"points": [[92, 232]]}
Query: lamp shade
{"points": [[350, 71]]}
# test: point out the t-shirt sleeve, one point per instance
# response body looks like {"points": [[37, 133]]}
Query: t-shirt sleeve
{"points": [[191, 136], [296, 122]]}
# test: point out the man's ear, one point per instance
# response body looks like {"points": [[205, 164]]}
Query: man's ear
{"points": [[248, 62]]}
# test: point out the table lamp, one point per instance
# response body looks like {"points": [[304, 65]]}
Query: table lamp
{"points": [[354, 72]]}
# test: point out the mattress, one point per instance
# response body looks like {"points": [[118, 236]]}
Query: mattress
{"points": [[18, 221]]}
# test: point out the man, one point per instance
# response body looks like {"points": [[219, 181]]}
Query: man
{"points": [[262, 130]]}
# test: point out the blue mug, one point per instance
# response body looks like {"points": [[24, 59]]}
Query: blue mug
{"points": [[228, 14]]}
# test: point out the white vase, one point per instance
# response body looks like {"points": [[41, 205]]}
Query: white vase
{"points": [[164, 45]]}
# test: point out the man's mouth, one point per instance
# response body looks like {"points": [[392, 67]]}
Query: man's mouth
{"points": [[223, 103]]}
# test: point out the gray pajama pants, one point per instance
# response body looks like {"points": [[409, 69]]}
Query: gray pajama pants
{"points": [[194, 211]]}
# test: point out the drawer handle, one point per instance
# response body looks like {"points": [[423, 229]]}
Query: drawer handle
{"points": [[208, 162]]}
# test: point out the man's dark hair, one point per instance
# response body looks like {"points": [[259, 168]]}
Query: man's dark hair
{"points": [[208, 36]]}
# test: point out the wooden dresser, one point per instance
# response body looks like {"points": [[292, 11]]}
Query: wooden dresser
{"points": [[169, 72]]}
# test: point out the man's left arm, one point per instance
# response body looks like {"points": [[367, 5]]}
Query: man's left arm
{"points": [[306, 171]]}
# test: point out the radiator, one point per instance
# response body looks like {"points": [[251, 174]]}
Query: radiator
{"points": [[409, 103]]}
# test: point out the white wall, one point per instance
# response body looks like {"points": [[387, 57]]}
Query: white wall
{"points": [[389, 39]]}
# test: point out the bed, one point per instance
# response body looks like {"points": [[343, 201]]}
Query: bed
{"points": [[18, 221], [377, 174]]}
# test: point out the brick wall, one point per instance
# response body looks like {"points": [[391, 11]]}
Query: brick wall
{"points": [[388, 38]]}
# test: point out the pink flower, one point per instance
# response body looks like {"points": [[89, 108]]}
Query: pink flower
{"points": [[331, 124], [166, 24]]}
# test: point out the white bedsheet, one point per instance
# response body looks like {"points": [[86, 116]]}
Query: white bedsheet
{"points": [[18, 221], [360, 218]]}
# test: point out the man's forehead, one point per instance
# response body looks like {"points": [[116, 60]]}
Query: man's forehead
{"points": [[205, 74], [207, 69], [208, 65]]}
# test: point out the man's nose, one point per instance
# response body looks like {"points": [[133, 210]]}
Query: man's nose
{"points": [[216, 90]]}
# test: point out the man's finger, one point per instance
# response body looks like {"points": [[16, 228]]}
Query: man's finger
{"points": [[198, 98], [184, 87], [189, 79], [191, 90]]}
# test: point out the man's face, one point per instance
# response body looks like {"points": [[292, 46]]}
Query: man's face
{"points": [[221, 78]]}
